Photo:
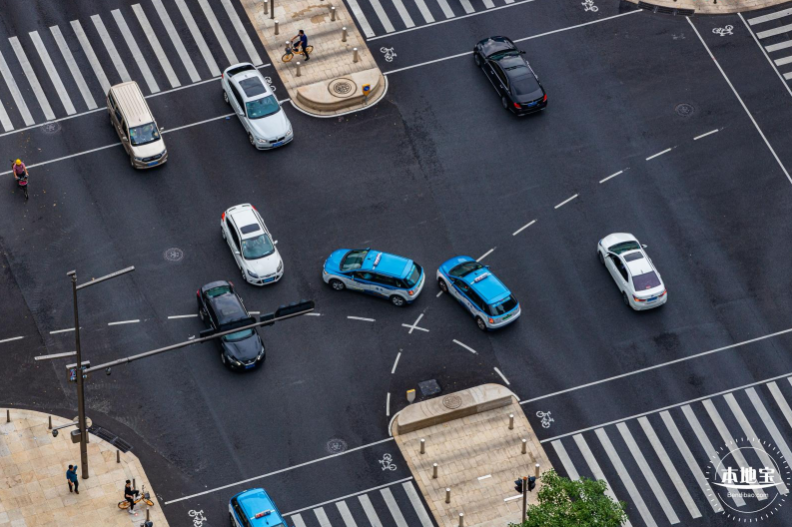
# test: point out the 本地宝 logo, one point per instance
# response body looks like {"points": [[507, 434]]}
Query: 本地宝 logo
{"points": [[750, 478]]}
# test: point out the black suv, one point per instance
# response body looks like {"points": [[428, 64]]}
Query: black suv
{"points": [[221, 309]]}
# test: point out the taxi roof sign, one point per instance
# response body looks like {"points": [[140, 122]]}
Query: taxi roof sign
{"points": [[481, 277], [262, 514]]}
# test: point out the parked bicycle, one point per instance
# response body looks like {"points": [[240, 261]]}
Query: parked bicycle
{"points": [[144, 496], [290, 52]]}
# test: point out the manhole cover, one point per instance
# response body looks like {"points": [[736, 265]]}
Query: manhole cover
{"points": [[336, 446], [684, 109], [452, 401], [51, 128], [342, 88], [173, 254]]}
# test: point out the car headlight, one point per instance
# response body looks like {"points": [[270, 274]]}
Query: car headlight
{"points": [[291, 131], [263, 141], [252, 274], [280, 267]]}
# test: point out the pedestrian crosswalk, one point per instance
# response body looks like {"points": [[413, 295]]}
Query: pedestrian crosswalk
{"points": [[64, 70], [667, 465], [381, 17], [775, 39], [396, 505]]}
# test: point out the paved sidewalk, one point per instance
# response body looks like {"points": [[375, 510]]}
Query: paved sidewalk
{"points": [[33, 488], [478, 458], [712, 7]]}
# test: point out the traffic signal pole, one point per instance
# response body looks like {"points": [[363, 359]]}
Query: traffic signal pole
{"points": [[80, 387]]}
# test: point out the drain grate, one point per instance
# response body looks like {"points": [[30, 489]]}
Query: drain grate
{"points": [[666, 10], [342, 88], [111, 438], [684, 109]]}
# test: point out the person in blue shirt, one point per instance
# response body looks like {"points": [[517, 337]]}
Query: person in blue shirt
{"points": [[303, 43], [71, 477]]}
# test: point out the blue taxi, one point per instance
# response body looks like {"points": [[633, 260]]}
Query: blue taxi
{"points": [[254, 508], [479, 291], [398, 279]]}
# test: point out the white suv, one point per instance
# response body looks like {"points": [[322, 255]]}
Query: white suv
{"points": [[245, 89], [251, 244]]}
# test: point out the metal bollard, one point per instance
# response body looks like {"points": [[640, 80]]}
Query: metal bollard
{"points": [[148, 514], [434, 471], [50, 423], [134, 485], [8, 416], [536, 470], [525, 446], [272, 10], [332, 14], [355, 56], [423, 446], [461, 519], [448, 495], [511, 421], [277, 30], [298, 70], [266, 7], [343, 34], [118, 456]]}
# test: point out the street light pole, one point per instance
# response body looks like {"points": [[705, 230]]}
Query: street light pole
{"points": [[80, 387]]}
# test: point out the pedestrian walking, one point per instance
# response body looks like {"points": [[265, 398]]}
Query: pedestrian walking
{"points": [[71, 477]]}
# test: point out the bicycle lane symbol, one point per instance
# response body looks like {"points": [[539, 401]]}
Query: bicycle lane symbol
{"points": [[387, 462], [389, 54], [723, 31], [198, 518]]}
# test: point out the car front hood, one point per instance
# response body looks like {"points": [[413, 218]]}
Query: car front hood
{"points": [[271, 127], [149, 150], [243, 350], [265, 266], [333, 263]]}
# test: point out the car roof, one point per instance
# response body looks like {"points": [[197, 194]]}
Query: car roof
{"points": [[132, 104], [387, 264], [243, 216], [227, 308], [639, 265], [240, 79], [255, 501], [487, 285]]}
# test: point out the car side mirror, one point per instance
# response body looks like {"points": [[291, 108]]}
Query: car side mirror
{"points": [[522, 52], [241, 113], [206, 333], [236, 252], [644, 246]]}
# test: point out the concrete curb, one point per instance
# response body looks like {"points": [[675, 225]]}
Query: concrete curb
{"points": [[702, 7]]}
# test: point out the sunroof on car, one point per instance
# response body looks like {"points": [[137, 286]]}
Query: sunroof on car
{"points": [[633, 256], [250, 228], [253, 86]]}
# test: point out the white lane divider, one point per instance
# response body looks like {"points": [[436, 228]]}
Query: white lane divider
{"points": [[611, 176], [57, 331], [667, 150], [705, 135], [387, 406], [313, 314], [565, 201], [518, 231], [395, 363], [439, 294], [471, 350], [11, 339], [123, 322], [176, 317], [362, 319], [502, 376], [486, 254]]}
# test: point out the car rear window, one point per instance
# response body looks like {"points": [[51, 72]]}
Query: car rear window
{"points": [[523, 81], [253, 86], [646, 281], [353, 260], [464, 269], [240, 69], [217, 291], [503, 307], [414, 276]]}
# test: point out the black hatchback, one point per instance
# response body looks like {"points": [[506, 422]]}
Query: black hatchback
{"points": [[510, 74]]}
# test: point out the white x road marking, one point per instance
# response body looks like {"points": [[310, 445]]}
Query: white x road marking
{"points": [[415, 325]]}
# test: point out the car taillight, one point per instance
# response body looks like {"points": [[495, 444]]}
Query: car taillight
{"points": [[544, 99], [491, 321], [638, 299], [222, 217], [663, 293], [254, 207], [516, 105], [198, 292], [411, 293]]}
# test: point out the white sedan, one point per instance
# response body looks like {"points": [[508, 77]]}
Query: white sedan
{"points": [[251, 244], [632, 270]]}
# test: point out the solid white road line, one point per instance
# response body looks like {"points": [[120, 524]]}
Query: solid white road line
{"points": [[637, 500], [55, 356], [123, 322], [74, 69], [577, 25], [395, 363], [771, 16], [611, 176], [691, 462], [368, 509], [57, 331], [298, 521], [502, 376], [198, 38], [405, 16], [774, 32], [321, 516], [647, 472], [705, 135], [669, 467], [175, 317], [361, 18], [15, 93], [90, 55], [53, 73], [565, 202], [111, 49], [781, 402], [424, 11], [12, 339], [595, 468], [780, 45], [346, 515], [415, 501], [387, 406], [135, 49], [485, 254], [176, 40], [764, 52], [173, 79], [739, 99], [362, 319], [240, 30], [359, 493], [518, 231], [780, 442], [398, 518], [313, 314], [218, 32], [32, 79], [471, 350], [70, 156], [566, 461], [4, 119], [667, 150]]}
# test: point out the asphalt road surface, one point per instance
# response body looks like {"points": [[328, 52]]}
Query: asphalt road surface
{"points": [[674, 129]]}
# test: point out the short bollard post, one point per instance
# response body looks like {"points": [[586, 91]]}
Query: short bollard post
{"points": [[134, 486], [50, 423], [118, 456], [332, 14], [148, 514], [434, 470], [448, 495], [8, 416], [355, 57], [423, 446], [266, 7], [277, 30], [524, 446], [298, 70], [511, 421], [272, 10], [343, 34], [536, 470], [461, 519]]}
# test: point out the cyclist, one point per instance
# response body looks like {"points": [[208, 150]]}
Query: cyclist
{"points": [[129, 495], [302, 44], [19, 169]]}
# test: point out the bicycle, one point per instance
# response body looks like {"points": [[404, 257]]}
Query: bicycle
{"points": [[290, 52], [144, 496]]}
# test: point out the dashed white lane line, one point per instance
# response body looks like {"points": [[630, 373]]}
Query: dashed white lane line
{"points": [[57, 331], [387, 406], [395, 363], [123, 322], [414, 327], [705, 135], [611, 176], [565, 201], [176, 317], [313, 314], [362, 319], [11, 339], [471, 350], [502, 376], [485, 254], [667, 150], [254, 312], [518, 231], [439, 294]]}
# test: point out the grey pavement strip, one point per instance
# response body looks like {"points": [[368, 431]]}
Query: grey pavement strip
{"points": [[694, 467], [467, 6], [771, 16], [632, 490], [580, 441], [387, 495], [89, 53], [447, 11], [783, 61], [774, 32], [749, 433], [198, 37], [383, 17], [111, 49], [155, 45], [712, 456], [74, 69], [788, 76], [727, 437], [780, 442], [176, 40], [420, 511], [322, 517], [425, 11], [52, 72], [363, 22], [240, 29], [781, 402], [31, 77], [669, 467], [405, 16], [647, 472], [298, 521], [218, 32], [561, 452], [780, 45], [371, 514], [346, 515], [135, 49], [4, 119]]}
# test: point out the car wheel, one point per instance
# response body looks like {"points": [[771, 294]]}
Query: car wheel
{"points": [[398, 301], [477, 58], [626, 300], [251, 139], [223, 359], [337, 285], [233, 521], [442, 285], [480, 323], [243, 274], [225, 97], [132, 161], [222, 233], [505, 103], [201, 315], [601, 259]]}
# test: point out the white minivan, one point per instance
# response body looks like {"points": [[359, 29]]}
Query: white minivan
{"points": [[135, 125]]}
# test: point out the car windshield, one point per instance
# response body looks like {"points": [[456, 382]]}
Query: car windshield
{"points": [[624, 247], [646, 281], [464, 269], [502, 308], [415, 275], [500, 54], [144, 134], [353, 260], [258, 247], [217, 291], [239, 335], [262, 107], [524, 83]]}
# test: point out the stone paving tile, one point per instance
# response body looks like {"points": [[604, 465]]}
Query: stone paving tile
{"points": [[712, 7], [33, 488]]}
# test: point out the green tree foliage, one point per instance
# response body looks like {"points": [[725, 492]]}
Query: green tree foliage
{"points": [[582, 503]]}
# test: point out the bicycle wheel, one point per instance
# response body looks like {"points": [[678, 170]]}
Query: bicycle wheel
{"points": [[309, 49], [149, 503], [26, 194], [287, 57], [123, 504]]}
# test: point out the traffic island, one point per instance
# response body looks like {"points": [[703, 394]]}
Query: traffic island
{"points": [[341, 75], [34, 490], [705, 7], [465, 451]]}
